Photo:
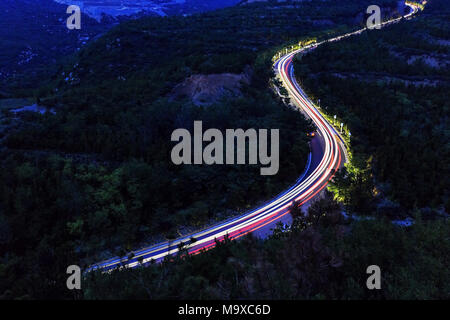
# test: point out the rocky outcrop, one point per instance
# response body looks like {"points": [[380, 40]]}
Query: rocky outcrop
{"points": [[208, 89]]}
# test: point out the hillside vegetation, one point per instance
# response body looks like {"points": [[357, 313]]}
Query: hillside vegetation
{"points": [[390, 89], [396, 109], [95, 179]]}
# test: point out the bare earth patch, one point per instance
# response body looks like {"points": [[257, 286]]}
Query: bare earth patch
{"points": [[207, 89]]}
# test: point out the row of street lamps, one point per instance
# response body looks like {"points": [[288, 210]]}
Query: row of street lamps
{"points": [[334, 122]]}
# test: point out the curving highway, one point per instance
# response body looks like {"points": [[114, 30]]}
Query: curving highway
{"points": [[327, 155]]}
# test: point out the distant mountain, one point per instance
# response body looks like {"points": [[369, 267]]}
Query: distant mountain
{"points": [[34, 32], [98, 9]]}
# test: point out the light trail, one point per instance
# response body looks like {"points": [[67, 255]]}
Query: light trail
{"points": [[334, 155]]}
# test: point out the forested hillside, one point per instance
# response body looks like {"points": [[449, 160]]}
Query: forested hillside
{"points": [[93, 178], [390, 88], [393, 101], [321, 257]]}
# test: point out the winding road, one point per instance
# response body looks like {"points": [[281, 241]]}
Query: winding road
{"points": [[328, 154]]}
